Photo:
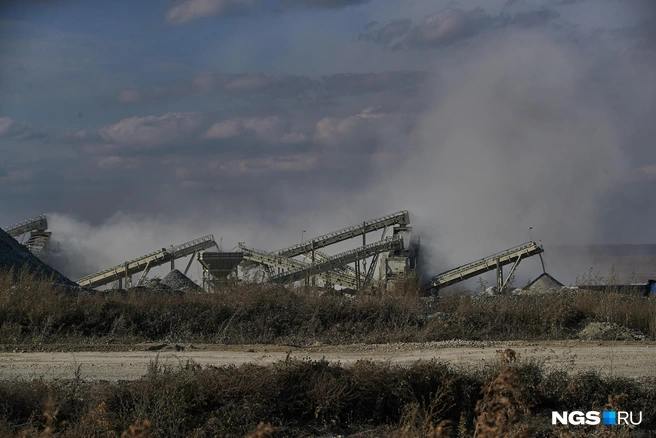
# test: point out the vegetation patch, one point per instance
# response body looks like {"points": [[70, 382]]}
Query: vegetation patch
{"points": [[34, 311], [301, 398]]}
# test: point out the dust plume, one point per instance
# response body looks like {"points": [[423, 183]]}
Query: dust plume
{"points": [[519, 136]]}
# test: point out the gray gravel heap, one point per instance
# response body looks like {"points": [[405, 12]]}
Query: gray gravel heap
{"points": [[156, 283], [176, 280], [545, 283], [16, 256]]}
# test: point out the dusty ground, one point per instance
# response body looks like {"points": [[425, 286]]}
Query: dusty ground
{"points": [[629, 359]]}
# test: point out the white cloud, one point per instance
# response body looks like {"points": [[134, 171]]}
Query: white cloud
{"points": [[252, 166], [224, 129], [152, 131], [332, 129], [13, 130], [272, 129], [188, 10]]}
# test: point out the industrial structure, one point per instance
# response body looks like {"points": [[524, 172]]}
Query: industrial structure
{"points": [[218, 266], [283, 267], [394, 257], [495, 261], [143, 264], [37, 228]]}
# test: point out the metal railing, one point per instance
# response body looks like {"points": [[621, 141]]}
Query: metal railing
{"points": [[180, 248], [341, 259], [289, 264], [38, 223], [401, 217], [488, 263], [151, 259]]}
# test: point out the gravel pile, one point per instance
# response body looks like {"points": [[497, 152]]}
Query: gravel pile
{"points": [[14, 255], [176, 280], [545, 283], [607, 331], [156, 283]]}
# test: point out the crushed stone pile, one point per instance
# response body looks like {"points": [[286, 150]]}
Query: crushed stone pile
{"points": [[608, 331], [156, 283], [545, 283], [176, 280], [16, 256]]}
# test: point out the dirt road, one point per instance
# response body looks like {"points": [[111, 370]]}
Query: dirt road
{"points": [[633, 359]]}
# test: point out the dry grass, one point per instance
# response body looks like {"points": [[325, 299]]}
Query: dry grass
{"points": [[33, 311], [514, 397], [294, 398]]}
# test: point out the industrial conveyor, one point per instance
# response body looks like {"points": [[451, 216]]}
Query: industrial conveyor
{"points": [[341, 259], [399, 218], [39, 236], [148, 261], [288, 264], [495, 261]]}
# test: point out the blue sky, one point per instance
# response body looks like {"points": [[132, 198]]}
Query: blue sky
{"points": [[209, 114]]}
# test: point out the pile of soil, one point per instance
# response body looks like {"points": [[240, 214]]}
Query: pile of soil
{"points": [[176, 280], [17, 256], [607, 331]]}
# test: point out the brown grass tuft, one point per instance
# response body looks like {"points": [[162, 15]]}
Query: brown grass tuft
{"points": [[501, 410], [262, 431], [139, 429]]}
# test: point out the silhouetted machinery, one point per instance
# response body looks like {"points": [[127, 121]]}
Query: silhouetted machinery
{"points": [[37, 228]]}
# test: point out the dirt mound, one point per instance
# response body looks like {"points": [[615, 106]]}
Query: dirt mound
{"points": [[607, 331], [16, 256], [545, 283], [176, 280]]}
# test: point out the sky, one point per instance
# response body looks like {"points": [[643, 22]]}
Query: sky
{"points": [[137, 125]]}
